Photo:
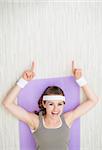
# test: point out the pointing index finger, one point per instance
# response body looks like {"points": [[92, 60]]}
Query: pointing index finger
{"points": [[32, 67], [73, 65]]}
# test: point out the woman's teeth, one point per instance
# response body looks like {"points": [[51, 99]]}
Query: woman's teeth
{"points": [[54, 113]]}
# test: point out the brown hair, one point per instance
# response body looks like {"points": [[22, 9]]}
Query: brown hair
{"points": [[48, 91]]}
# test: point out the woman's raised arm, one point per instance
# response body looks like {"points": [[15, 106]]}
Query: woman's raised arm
{"points": [[12, 107], [91, 99]]}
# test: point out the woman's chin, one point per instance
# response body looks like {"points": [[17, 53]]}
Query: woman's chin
{"points": [[55, 115]]}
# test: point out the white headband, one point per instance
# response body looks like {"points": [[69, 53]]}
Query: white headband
{"points": [[53, 97]]}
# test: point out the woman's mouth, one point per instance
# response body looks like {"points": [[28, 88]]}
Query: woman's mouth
{"points": [[55, 113]]}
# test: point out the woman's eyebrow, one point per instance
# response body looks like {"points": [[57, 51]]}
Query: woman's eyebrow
{"points": [[60, 103], [50, 102], [53, 102]]}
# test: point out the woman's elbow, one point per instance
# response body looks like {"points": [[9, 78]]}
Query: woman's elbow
{"points": [[4, 104], [96, 100]]}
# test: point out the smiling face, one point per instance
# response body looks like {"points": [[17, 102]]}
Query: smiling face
{"points": [[54, 108]]}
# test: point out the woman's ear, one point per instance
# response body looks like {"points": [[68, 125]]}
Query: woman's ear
{"points": [[43, 104]]}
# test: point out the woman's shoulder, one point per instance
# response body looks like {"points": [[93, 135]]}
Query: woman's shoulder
{"points": [[68, 118]]}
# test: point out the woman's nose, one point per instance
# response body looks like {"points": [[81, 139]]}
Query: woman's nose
{"points": [[55, 109]]}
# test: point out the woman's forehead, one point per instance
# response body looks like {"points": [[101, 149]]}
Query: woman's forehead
{"points": [[57, 101]]}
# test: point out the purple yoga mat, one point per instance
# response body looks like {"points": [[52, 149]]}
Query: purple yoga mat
{"points": [[28, 99]]}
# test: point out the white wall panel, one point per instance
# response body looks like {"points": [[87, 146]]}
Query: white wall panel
{"points": [[52, 33]]}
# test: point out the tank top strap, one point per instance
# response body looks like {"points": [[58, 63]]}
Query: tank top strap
{"points": [[40, 116], [64, 122], [62, 118]]}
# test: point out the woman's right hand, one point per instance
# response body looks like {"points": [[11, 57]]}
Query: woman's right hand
{"points": [[29, 74]]}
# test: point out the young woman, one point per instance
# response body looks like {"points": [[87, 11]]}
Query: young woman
{"points": [[50, 126]]}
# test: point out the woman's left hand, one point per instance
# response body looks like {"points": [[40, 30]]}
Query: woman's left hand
{"points": [[77, 72]]}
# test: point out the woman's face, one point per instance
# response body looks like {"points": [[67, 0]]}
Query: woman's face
{"points": [[54, 108]]}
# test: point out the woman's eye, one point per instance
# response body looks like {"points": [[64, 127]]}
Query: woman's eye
{"points": [[60, 104], [50, 104]]}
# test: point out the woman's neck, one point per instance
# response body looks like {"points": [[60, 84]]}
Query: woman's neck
{"points": [[52, 121]]}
